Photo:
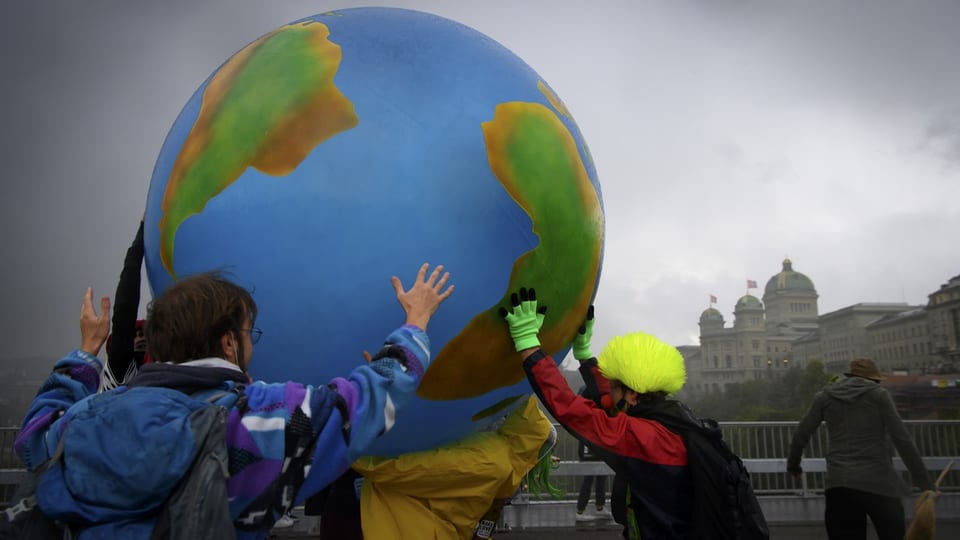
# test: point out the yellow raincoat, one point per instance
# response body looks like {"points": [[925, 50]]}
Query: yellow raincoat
{"points": [[442, 493]]}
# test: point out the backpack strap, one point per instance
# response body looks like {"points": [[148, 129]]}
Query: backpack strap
{"points": [[199, 506], [235, 397], [24, 519]]}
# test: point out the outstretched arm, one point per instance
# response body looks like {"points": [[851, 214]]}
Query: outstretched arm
{"points": [[74, 377], [596, 385], [125, 308], [371, 397], [808, 424], [904, 443], [622, 435]]}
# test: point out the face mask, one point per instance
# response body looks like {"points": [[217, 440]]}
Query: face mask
{"points": [[606, 402]]}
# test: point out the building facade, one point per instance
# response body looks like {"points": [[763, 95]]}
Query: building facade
{"points": [[901, 341], [943, 311], [843, 333], [758, 345], [785, 329]]}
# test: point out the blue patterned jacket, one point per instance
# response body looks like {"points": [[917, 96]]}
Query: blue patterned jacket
{"points": [[122, 466]]}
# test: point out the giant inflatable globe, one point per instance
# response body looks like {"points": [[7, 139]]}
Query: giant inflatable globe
{"points": [[347, 147]]}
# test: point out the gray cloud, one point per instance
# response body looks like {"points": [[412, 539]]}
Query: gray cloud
{"points": [[942, 137], [726, 136]]}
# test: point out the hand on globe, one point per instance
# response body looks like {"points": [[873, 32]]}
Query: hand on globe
{"points": [[525, 319], [581, 342], [423, 299]]}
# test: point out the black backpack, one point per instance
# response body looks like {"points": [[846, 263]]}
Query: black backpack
{"points": [[198, 507], [724, 504]]}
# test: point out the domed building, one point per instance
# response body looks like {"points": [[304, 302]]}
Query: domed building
{"points": [[710, 319], [758, 345], [791, 302], [785, 329]]}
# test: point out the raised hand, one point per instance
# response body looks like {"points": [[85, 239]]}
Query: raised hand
{"points": [[421, 301], [581, 343], [525, 319], [94, 328]]}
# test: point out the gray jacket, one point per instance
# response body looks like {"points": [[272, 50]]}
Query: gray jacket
{"points": [[862, 421]]}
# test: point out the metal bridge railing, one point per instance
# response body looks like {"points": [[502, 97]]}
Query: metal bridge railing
{"points": [[762, 445], [11, 470]]}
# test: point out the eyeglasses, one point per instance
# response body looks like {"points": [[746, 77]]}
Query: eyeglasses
{"points": [[255, 334]]}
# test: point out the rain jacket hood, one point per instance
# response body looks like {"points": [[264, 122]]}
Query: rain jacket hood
{"points": [[851, 388]]}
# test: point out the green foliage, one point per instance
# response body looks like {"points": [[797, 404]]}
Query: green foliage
{"points": [[777, 399]]}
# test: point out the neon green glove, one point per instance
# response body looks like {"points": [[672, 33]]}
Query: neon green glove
{"points": [[525, 319], [581, 343]]}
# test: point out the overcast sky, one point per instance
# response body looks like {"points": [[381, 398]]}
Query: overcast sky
{"points": [[726, 135]]}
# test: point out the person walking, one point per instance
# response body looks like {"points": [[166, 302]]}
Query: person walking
{"points": [[861, 481]]}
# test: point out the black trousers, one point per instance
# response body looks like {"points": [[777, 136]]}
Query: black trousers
{"points": [[847, 510], [585, 491]]}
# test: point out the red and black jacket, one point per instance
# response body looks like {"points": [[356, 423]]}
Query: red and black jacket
{"points": [[647, 457]]}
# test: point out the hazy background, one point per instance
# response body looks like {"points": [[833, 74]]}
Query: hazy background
{"points": [[726, 134]]}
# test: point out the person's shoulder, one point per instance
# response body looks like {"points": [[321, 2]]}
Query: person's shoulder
{"points": [[879, 392]]}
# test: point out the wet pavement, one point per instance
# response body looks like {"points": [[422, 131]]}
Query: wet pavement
{"points": [[946, 529]]}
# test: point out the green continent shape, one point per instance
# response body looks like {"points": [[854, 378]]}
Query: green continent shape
{"points": [[267, 107], [534, 156]]}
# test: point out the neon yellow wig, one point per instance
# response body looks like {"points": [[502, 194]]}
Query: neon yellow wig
{"points": [[643, 363]]}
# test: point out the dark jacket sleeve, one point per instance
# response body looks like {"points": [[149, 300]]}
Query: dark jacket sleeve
{"points": [[595, 386], [126, 304], [805, 429], [903, 442]]}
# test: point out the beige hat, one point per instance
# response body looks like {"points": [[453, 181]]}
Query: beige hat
{"points": [[864, 367]]}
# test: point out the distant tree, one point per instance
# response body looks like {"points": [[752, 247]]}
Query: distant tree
{"points": [[783, 398], [815, 377]]}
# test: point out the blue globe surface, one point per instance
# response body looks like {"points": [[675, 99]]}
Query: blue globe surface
{"points": [[351, 146]]}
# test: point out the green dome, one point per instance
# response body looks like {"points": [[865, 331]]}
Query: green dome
{"points": [[787, 279], [711, 314], [748, 301]]}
